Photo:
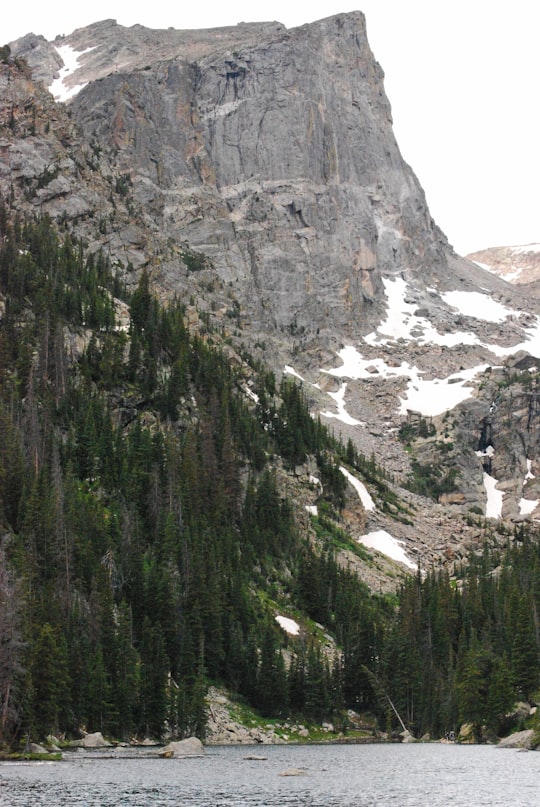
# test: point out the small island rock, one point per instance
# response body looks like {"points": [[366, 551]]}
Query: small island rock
{"points": [[190, 747]]}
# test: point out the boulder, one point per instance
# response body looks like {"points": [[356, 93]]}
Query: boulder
{"points": [[34, 748], [190, 747], [466, 733], [95, 740], [521, 739]]}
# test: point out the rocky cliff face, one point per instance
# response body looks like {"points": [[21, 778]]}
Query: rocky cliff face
{"points": [[270, 151], [254, 170]]}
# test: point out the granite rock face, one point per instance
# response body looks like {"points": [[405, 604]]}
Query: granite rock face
{"points": [[268, 150]]}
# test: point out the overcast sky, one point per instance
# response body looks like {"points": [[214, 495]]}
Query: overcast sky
{"points": [[462, 77]]}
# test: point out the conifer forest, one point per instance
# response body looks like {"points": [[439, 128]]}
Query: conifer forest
{"points": [[148, 538]]}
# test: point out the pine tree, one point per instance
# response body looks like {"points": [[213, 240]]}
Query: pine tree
{"points": [[50, 680], [154, 680]]}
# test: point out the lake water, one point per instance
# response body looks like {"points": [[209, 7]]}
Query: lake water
{"points": [[334, 776]]}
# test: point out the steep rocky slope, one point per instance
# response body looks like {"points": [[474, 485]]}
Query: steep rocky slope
{"points": [[254, 171]]}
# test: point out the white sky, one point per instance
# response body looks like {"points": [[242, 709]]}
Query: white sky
{"points": [[461, 75]]}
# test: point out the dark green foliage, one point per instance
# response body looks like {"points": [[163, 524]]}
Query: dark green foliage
{"points": [[148, 534], [410, 430], [467, 656], [431, 480], [48, 666], [133, 533], [195, 261]]}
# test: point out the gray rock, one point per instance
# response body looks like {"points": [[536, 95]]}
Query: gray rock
{"points": [[521, 739], [190, 747], [258, 169], [34, 748], [95, 740]]}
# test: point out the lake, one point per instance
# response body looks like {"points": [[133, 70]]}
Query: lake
{"points": [[428, 775]]}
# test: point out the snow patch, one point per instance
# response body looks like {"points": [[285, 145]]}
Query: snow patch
{"points": [[70, 58], [342, 414], [249, 392], [385, 543], [438, 395], [289, 625], [355, 366], [402, 323], [291, 371], [494, 497], [360, 488], [477, 305], [527, 506], [429, 397]]}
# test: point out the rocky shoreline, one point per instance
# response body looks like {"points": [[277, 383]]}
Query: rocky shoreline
{"points": [[228, 724]]}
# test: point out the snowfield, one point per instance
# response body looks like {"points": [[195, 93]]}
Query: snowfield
{"points": [[385, 543], [70, 58]]}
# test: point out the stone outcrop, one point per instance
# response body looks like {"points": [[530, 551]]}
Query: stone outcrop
{"points": [[224, 729]]}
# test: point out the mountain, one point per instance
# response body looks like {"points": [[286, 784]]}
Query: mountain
{"points": [[518, 264], [264, 173], [244, 221], [259, 176]]}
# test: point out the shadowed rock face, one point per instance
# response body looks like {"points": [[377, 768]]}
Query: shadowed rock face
{"points": [[270, 151]]}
